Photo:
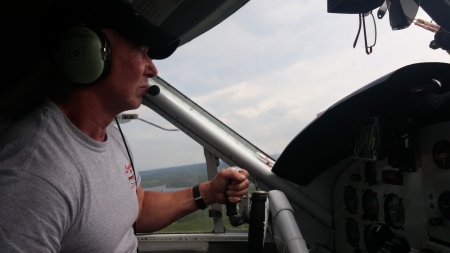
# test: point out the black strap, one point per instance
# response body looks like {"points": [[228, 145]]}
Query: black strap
{"points": [[198, 199]]}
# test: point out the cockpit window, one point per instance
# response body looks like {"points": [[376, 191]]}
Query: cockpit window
{"points": [[270, 68]]}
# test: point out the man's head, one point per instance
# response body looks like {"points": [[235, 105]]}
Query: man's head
{"points": [[121, 89], [81, 50]]}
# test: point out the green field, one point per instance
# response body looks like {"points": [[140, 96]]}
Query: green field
{"points": [[180, 177], [174, 177]]}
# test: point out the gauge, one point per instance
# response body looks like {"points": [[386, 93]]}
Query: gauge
{"points": [[375, 236], [394, 213], [370, 172], [352, 230], [441, 154], [444, 204], [370, 205], [351, 199]]}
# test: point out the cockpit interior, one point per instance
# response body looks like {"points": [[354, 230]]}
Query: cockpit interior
{"points": [[371, 173]]}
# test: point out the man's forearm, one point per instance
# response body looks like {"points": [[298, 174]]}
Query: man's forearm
{"points": [[160, 209]]}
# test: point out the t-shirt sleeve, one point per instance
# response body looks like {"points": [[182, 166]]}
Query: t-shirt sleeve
{"points": [[33, 214]]}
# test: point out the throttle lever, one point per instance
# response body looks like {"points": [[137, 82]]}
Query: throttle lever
{"points": [[231, 208], [235, 218]]}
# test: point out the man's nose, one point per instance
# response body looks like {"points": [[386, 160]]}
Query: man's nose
{"points": [[151, 69]]}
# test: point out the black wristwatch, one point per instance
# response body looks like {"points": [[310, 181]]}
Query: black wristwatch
{"points": [[198, 199]]}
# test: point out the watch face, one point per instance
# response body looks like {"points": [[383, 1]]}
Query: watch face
{"points": [[351, 199], [441, 154]]}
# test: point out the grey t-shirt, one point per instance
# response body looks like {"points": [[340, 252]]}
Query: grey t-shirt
{"points": [[61, 191]]}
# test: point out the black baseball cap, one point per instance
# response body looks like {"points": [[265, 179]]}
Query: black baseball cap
{"points": [[118, 15]]}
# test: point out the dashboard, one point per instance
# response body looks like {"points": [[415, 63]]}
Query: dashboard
{"points": [[385, 151], [385, 205]]}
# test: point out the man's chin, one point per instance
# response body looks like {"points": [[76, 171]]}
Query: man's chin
{"points": [[137, 103]]}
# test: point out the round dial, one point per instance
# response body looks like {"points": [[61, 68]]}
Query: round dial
{"points": [[375, 236], [394, 213], [370, 205], [441, 154], [351, 199], [352, 230]]}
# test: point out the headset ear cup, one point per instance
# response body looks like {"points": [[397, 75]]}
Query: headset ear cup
{"points": [[83, 55]]}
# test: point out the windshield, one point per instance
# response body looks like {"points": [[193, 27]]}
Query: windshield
{"points": [[269, 70]]}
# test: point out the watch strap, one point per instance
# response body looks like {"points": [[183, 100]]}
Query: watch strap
{"points": [[198, 198]]}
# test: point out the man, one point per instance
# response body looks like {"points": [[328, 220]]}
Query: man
{"points": [[64, 185]]}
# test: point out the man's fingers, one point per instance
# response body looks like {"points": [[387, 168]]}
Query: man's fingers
{"points": [[243, 174]]}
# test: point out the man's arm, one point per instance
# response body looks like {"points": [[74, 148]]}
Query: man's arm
{"points": [[160, 209]]}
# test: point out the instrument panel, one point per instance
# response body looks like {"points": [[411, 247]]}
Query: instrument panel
{"points": [[390, 207]]}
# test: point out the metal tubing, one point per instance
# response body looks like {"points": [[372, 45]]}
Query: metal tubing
{"points": [[192, 122], [283, 214]]}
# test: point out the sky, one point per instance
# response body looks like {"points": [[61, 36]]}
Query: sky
{"points": [[269, 69]]}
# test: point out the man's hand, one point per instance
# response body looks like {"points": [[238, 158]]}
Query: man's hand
{"points": [[231, 182]]}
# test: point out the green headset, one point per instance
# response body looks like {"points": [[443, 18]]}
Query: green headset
{"points": [[83, 55]]}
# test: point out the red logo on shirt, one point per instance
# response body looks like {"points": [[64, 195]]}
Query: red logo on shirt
{"points": [[130, 174]]}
